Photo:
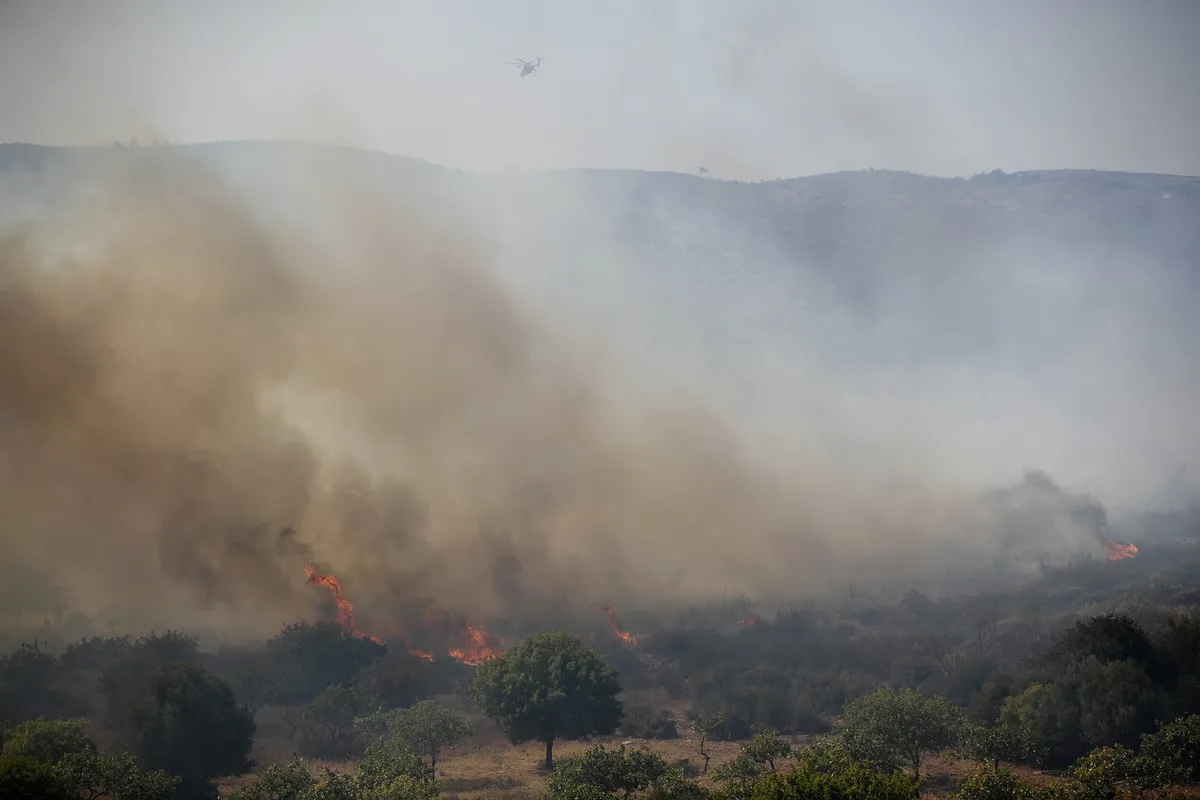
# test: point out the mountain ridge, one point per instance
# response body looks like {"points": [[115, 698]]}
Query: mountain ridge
{"points": [[1033, 175]]}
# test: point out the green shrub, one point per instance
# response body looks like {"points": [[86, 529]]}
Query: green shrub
{"points": [[994, 784], [856, 783], [23, 778], [47, 740]]}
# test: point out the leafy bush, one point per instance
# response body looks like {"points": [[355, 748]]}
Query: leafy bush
{"points": [[288, 781], [47, 740], [1174, 749], [24, 778], [676, 786], [994, 784], [855, 783], [392, 770], [387, 772], [93, 775], [603, 773], [1110, 772]]}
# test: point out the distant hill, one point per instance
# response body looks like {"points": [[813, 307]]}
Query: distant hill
{"points": [[864, 240], [819, 214]]}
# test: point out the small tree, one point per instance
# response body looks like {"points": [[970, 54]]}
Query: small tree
{"points": [[767, 748], [307, 658], [190, 726], [425, 728], [708, 726], [327, 728], [995, 743], [550, 686], [890, 728], [47, 740], [758, 756], [605, 773]]}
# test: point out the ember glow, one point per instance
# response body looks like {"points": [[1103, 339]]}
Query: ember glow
{"points": [[425, 654], [748, 622], [1118, 550], [345, 609], [626, 639]]}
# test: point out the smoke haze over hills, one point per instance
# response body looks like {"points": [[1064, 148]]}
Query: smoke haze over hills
{"points": [[519, 397], [514, 387]]}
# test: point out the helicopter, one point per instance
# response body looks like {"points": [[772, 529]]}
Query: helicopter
{"points": [[528, 67]]}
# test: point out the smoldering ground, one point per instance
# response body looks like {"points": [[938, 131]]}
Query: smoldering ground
{"points": [[199, 396]]}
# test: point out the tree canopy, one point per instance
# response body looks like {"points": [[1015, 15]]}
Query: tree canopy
{"points": [[550, 686], [892, 728], [425, 728], [190, 726]]}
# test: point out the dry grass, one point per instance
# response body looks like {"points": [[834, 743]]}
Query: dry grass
{"points": [[486, 766]]}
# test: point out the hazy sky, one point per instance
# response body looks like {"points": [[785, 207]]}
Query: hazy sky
{"points": [[757, 88]]}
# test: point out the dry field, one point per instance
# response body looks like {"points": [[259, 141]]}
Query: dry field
{"points": [[486, 767]]}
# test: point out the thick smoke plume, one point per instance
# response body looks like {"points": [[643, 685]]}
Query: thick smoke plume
{"points": [[198, 399]]}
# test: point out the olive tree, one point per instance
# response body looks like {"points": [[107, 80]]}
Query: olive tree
{"points": [[425, 728], [890, 729], [550, 686]]}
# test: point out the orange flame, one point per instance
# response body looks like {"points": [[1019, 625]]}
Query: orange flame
{"points": [[626, 639], [345, 609], [425, 654], [1118, 550], [478, 646]]}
